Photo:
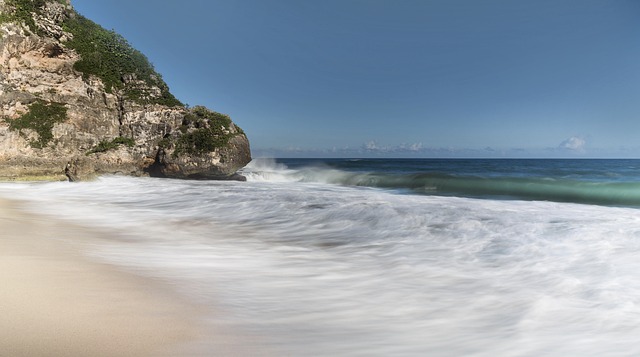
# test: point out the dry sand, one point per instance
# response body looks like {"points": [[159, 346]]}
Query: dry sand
{"points": [[56, 302]]}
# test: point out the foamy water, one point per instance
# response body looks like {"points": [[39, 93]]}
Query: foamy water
{"points": [[325, 270]]}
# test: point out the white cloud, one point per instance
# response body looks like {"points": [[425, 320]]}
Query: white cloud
{"points": [[411, 147], [371, 146], [573, 143]]}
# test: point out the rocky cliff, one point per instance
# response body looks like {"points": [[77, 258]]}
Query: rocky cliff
{"points": [[78, 101]]}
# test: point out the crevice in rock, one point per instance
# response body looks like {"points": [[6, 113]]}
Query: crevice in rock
{"points": [[53, 50], [155, 169], [121, 112]]}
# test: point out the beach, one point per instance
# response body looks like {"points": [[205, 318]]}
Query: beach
{"points": [[56, 302]]}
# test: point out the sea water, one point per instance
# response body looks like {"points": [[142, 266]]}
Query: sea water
{"points": [[386, 257]]}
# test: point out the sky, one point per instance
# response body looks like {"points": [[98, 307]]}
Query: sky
{"points": [[400, 78]]}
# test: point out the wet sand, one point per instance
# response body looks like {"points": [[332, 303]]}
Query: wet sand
{"points": [[56, 302]]}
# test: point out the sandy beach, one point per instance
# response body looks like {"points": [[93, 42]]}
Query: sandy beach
{"points": [[56, 302]]}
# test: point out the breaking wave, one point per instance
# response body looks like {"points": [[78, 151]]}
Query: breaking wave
{"points": [[613, 193]]}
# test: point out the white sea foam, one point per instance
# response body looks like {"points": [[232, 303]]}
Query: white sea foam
{"points": [[325, 270], [266, 169]]}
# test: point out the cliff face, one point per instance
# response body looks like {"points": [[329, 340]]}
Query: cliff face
{"points": [[77, 100]]}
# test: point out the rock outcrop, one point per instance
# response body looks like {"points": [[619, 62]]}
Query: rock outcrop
{"points": [[78, 101]]}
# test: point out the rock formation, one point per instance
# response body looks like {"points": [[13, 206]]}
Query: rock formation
{"points": [[78, 101]]}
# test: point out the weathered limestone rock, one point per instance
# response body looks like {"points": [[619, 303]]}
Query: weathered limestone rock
{"points": [[220, 164], [123, 128]]}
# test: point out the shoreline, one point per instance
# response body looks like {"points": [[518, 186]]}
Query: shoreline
{"points": [[56, 301], [34, 178]]}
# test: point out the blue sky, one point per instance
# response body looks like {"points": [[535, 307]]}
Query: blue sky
{"points": [[401, 78]]}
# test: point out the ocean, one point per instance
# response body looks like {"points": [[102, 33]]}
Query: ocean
{"points": [[385, 257]]}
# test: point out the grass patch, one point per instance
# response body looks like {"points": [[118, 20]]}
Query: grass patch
{"points": [[107, 145], [41, 118]]}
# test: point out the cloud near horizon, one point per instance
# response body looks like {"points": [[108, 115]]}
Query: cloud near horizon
{"points": [[574, 143], [373, 146], [572, 146]]}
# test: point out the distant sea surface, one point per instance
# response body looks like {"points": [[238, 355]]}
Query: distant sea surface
{"points": [[386, 257]]}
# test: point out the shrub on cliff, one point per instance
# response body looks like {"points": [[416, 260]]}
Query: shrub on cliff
{"points": [[107, 145], [204, 131], [41, 118], [22, 11], [104, 54], [110, 57]]}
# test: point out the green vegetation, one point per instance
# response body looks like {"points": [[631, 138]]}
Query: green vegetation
{"points": [[22, 11], [110, 57], [200, 114], [203, 131], [199, 142], [40, 118], [106, 145], [104, 54]]}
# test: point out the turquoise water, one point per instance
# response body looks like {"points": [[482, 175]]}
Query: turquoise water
{"points": [[607, 182], [384, 257]]}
